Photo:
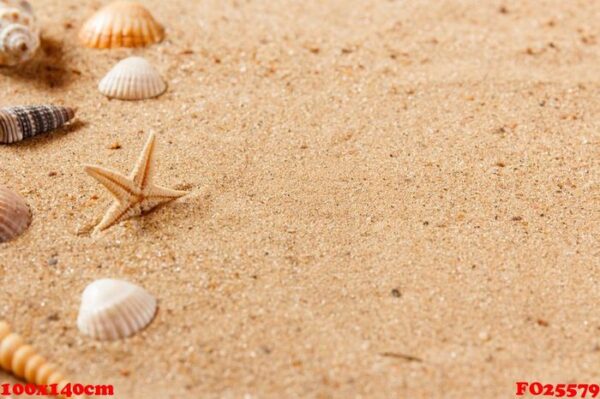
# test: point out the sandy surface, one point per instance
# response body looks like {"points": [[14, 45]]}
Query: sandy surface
{"points": [[367, 178]]}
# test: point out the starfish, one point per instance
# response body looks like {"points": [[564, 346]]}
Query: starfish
{"points": [[136, 194]]}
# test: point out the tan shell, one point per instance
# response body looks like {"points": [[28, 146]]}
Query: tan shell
{"points": [[121, 24], [23, 361], [114, 309], [14, 215], [133, 78]]}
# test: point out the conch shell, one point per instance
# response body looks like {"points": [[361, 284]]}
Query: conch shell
{"points": [[19, 33]]}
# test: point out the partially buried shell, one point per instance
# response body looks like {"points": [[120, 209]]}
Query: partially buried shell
{"points": [[121, 24], [14, 215], [132, 79], [114, 309], [18, 123], [19, 33]]}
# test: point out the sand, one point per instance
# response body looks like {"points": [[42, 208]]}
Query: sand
{"points": [[388, 199]]}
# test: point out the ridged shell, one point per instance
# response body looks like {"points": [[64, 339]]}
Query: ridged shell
{"points": [[19, 33], [132, 79], [18, 123], [114, 309], [23, 361], [121, 24], [15, 216]]}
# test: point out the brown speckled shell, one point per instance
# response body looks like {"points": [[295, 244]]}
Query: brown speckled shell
{"points": [[14, 215], [121, 24]]}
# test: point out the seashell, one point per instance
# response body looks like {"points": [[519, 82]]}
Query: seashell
{"points": [[23, 361], [19, 33], [121, 24], [133, 78], [18, 123], [114, 309], [14, 215]]}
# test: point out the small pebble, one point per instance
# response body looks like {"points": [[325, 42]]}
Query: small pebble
{"points": [[542, 323], [53, 317]]}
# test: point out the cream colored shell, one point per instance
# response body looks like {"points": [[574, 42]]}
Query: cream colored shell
{"points": [[19, 33], [121, 24], [15, 216], [23, 361], [133, 78], [114, 309]]}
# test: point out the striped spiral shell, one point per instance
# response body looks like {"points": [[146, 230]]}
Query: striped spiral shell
{"points": [[18, 123], [23, 361], [14, 215], [19, 34]]}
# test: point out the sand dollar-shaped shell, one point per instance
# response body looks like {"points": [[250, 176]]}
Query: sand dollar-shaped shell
{"points": [[121, 24], [14, 215], [133, 78], [113, 309]]}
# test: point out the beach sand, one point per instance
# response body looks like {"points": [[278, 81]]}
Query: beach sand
{"points": [[388, 199]]}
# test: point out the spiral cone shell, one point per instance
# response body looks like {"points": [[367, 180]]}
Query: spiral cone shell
{"points": [[23, 361], [18, 123], [19, 34], [14, 215], [121, 24]]}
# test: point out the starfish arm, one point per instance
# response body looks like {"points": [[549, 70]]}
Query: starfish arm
{"points": [[144, 169], [121, 187], [116, 213], [162, 194], [135, 194]]}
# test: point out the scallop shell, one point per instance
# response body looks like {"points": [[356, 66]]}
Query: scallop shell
{"points": [[121, 24], [18, 123], [23, 361], [19, 34], [114, 309], [133, 78], [14, 215]]}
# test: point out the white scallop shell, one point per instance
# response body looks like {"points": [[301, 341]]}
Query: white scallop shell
{"points": [[114, 309], [132, 79]]}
